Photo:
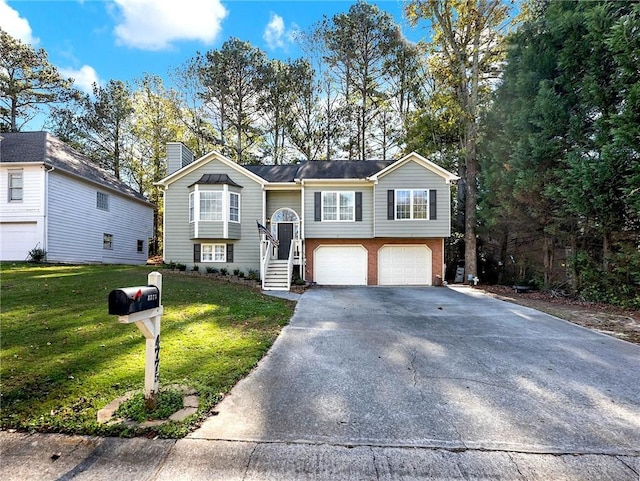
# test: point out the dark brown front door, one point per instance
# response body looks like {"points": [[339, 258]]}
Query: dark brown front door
{"points": [[285, 234]]}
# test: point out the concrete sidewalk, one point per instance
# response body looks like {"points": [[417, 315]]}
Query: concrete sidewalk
{"points": [[393, 384], [45, 457]]}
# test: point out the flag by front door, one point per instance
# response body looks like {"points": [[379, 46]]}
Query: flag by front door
{"points": [[263, 230]]}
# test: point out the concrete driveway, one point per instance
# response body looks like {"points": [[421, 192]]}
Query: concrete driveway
{"points": [[437, 368]]}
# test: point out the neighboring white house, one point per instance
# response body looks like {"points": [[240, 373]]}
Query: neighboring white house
{"points": [[54, 198]]}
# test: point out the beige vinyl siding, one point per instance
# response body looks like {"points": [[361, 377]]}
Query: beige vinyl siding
{"points": [[280, 199], [178, 242], [339, 229], [210, 230], [413, 176], [76, 226], [235, 230]]}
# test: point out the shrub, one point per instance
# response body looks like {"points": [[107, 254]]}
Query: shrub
{"points": [[236, 272], [195, 268], [224, 271], [172, 265], [181, 267], [253, 275], [37, 255], [211, 270]]}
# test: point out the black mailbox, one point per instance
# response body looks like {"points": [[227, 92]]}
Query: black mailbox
{"points": [[133, 299]]}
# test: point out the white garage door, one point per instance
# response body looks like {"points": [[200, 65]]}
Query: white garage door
{"points": [[404, 265], [16, 240], [340, 265]]}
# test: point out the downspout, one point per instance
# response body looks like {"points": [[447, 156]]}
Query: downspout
{"points": [[45, 210], [303, 248], [164, 222]]}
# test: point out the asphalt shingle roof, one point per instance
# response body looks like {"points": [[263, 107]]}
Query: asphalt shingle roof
{"points": [[320, 169], [42, 147]]}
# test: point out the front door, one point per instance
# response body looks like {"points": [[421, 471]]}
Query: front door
{"points": [[285, 234]]}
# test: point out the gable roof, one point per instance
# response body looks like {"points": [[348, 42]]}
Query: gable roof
{"points": [[319, 169], [427, 164], [44, 148], [369, 170]]}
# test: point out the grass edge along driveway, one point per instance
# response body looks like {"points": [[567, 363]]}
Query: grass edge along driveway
{"points": [[63, 357]]}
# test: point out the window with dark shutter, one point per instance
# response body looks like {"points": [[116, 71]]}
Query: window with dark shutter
{"points": [[196, 252], [358, 206], [317, 206], [391, 205], [433, 208], [229, 252]]}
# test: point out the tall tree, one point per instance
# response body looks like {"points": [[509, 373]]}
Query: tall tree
{"points": [[232, 79], [28, 83], [307, 122], [276, 102], [202, 136], [360, 46], [107, 123], [465, 49], [156, 123]]}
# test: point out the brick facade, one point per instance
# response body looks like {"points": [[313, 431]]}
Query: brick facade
{"points": [[372, 246]]}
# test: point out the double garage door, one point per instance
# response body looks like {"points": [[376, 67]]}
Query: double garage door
{"points": [[397, 265]]}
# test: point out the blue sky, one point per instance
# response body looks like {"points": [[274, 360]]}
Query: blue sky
{"points": [[95, 41]]}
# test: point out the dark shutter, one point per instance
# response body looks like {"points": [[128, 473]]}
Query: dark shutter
{"points": [[317, 206], [433, 208], [229, 252], [391, 214], [358, 206], [196, 253]]}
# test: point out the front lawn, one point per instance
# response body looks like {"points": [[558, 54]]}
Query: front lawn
{"points": [[63, 357]]}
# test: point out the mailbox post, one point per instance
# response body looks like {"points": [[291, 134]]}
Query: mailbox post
{"points": [[142, 306]]}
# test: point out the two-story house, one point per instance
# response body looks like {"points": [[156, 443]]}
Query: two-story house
{"points": [[53, 198], [335, 222]]}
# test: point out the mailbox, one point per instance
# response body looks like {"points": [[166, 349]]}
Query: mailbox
{"points": [[128, 300]]}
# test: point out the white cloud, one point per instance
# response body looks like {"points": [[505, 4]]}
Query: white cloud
{"points": [[83, 78], [155, 24], [274, 32], [277, 35], [16, 26]]}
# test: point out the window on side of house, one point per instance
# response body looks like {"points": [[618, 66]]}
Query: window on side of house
{"points": [[234, 207], [412, 204], [338, 206], [191, 206], [140, 245], [15, 186], [102, 201], [213, 253], [107, 241], [210, 206]]}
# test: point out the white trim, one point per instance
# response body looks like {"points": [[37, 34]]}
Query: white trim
{"points": [[225, 211], [413, 156], [213, 251], [337, 192], [411, 204], [178, 174], [239, 207]]}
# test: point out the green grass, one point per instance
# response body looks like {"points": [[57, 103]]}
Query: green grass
{"points": [[63, 357]]}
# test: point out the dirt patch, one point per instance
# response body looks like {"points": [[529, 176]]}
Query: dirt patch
{"points": [[611, 320]]}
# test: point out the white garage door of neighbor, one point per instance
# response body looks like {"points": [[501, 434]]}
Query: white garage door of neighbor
{"points": [[404, 265], [340, 265], [16, 240]]}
